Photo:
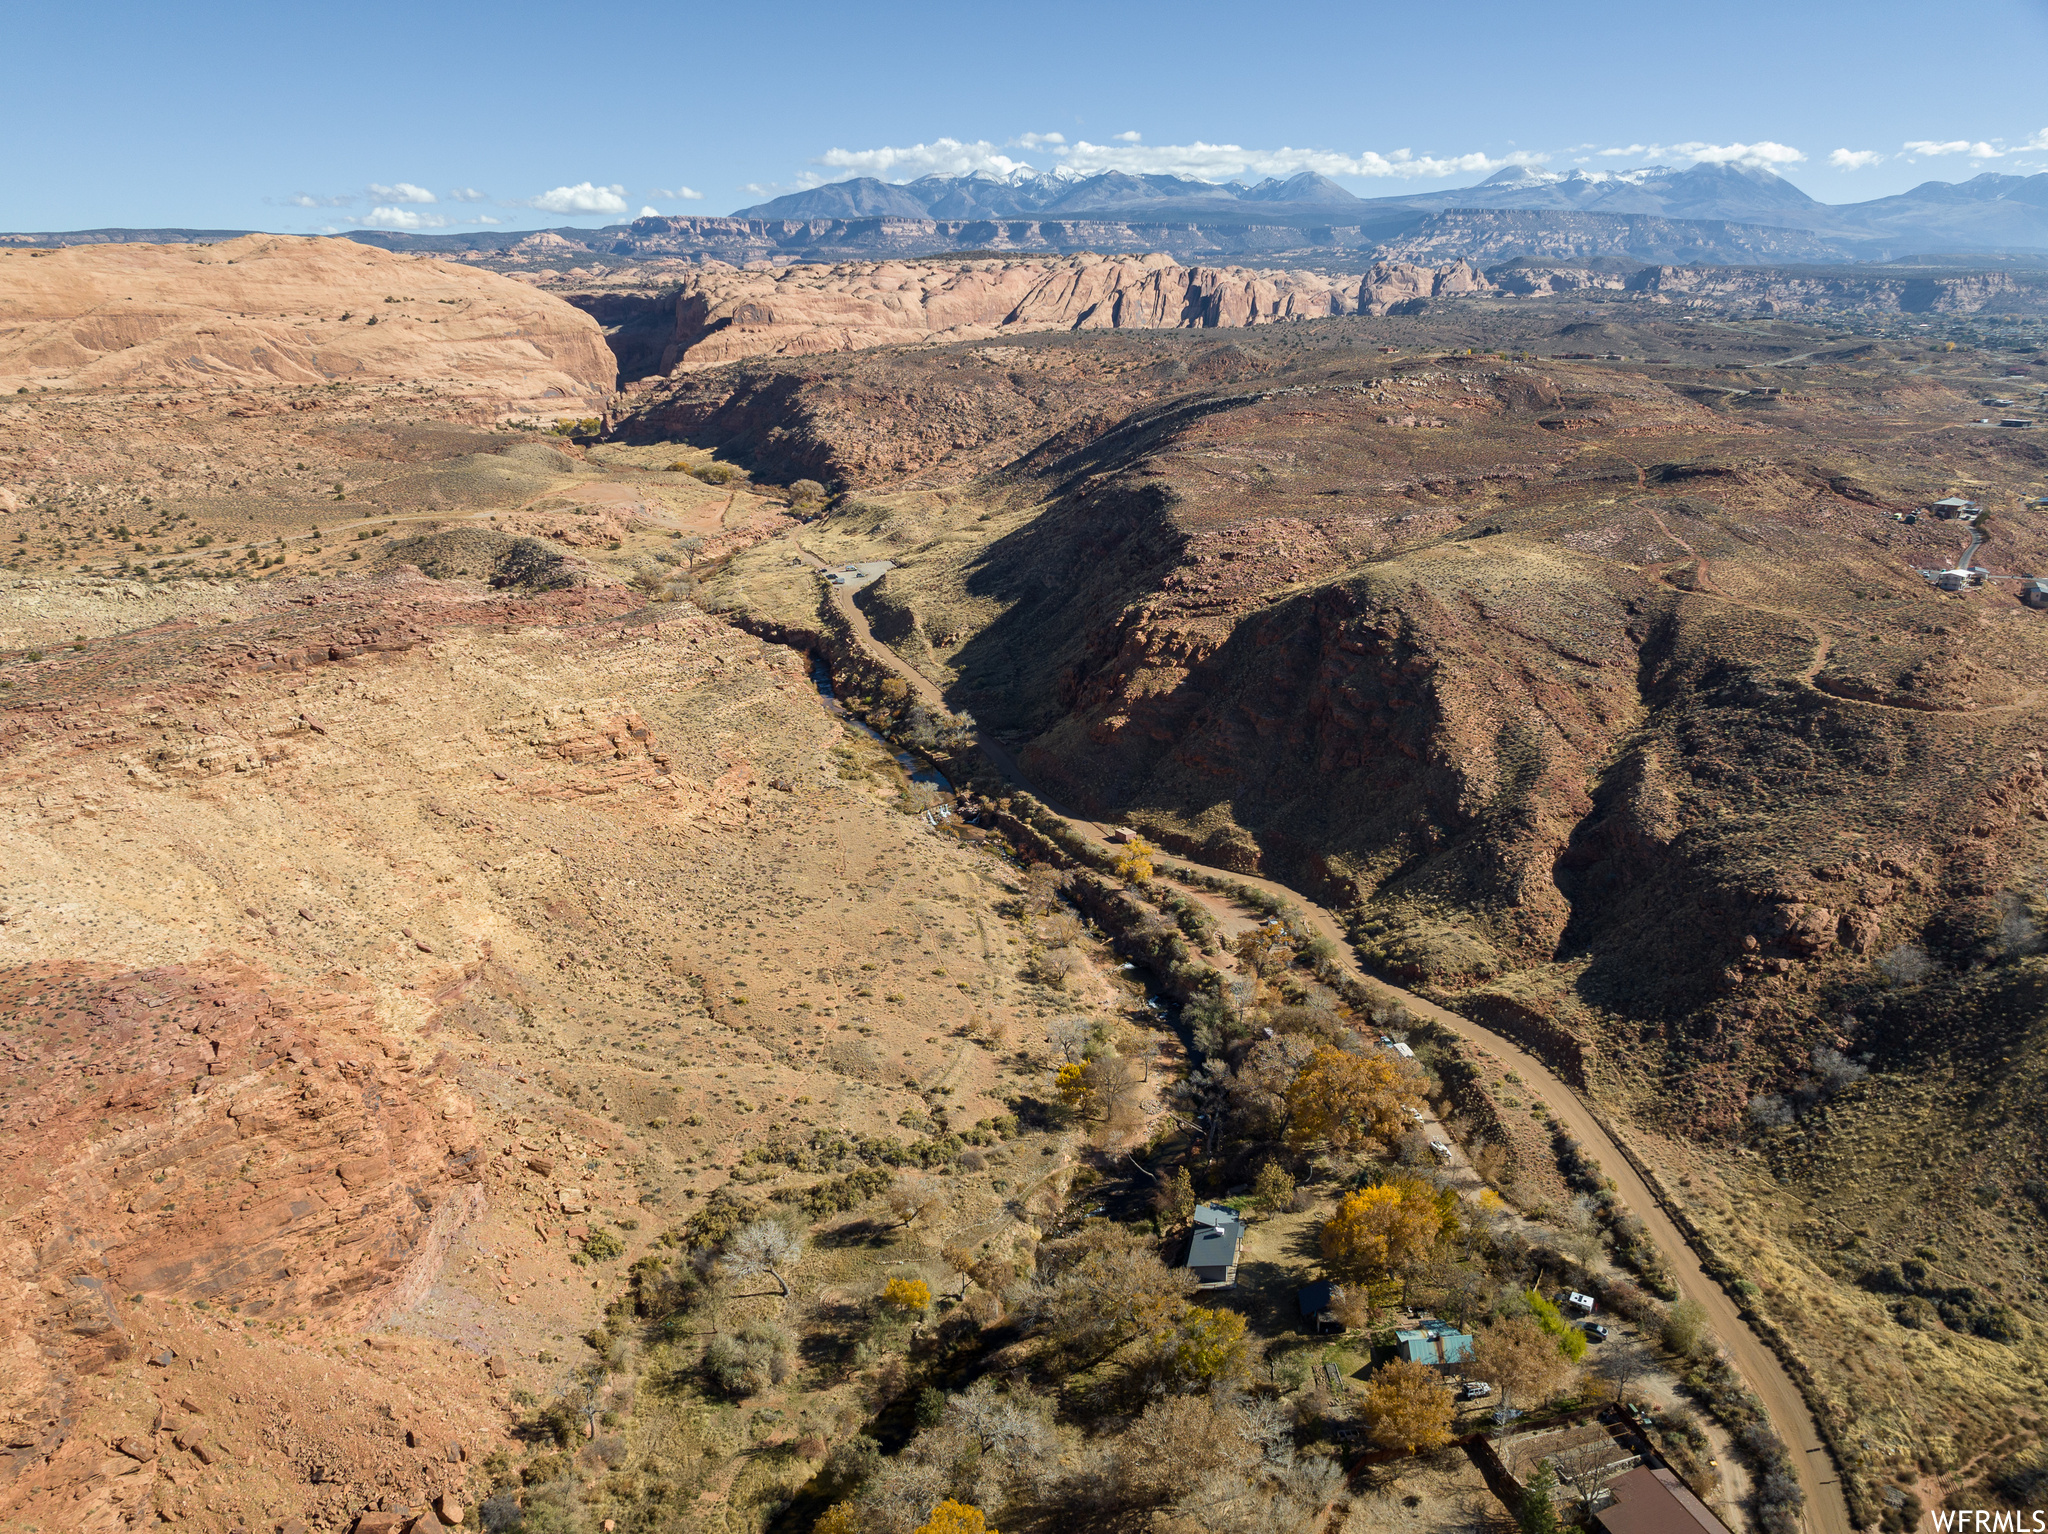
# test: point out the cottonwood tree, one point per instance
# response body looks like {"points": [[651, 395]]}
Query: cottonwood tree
{"points": [[1519, 1356], [1104, 1290], [1380, 1230], [1357, 1104], [1407, 1406], [1070, 1037], [763, 1250]]}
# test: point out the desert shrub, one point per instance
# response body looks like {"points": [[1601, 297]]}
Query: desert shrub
{"points": [[1906, 964], [748, 1361], [841, 1193], [716, 473], [1770, 1112], [1685, 1328], [602, 1246], [852, 1465]]}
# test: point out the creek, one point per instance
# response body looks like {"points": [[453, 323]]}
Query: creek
{"points": [[919, 769]]}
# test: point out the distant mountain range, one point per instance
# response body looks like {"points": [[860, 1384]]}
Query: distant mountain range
{"points": [[1707, 213], [1988, 212]]}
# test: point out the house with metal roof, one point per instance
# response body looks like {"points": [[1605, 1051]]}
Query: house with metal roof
{"points": [[1435, 1342], [1212, 1249]]}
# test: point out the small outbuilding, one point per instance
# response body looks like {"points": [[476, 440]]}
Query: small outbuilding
{"points": [[2035, 592], [1314, 1300], [1952, 506]]}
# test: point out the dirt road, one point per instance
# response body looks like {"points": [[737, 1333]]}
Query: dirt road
{"points": [[1827, 1511]]}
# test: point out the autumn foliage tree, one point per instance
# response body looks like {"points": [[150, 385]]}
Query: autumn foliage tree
{"points": [[907, 1294], [1357, 1104], [1407, 1406], [1382, 1229], [951, 1517], [1134, 861], [1200, 1347], [1103, 1290], [1518, 1355]]}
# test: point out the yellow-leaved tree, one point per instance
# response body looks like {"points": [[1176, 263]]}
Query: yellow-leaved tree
{"points": [[1407, 1406], [1134, 861], [951, 1517], [1207, 1346], [907, 1294], [1358, 1104], [1384, 1229], [841, 1518]]}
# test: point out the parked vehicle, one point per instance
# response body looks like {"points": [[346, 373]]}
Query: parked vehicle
{"points": [[1474, 1390], [1595, 1331], [1440, 1150]]}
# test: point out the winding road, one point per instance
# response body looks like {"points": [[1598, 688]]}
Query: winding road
{"points": [[1827, 1510]]}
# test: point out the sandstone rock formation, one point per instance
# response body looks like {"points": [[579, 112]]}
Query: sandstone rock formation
{"points": [[1391, 283], [268, 310], [723, 314]]}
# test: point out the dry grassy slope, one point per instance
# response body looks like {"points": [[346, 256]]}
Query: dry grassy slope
{"points": [[1616, 708], [268, 310], [393, 890]]}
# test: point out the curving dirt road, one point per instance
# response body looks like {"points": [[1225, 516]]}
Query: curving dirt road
{"points": [[1827, 1511]]}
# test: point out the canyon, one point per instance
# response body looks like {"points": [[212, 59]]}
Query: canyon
{"points": [[447, 900]]}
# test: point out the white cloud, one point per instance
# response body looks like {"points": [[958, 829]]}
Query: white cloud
{"points": [[584, 197], [400, 218], [1855, 159], [404, 191], [468, 194], [1763, 153], [683, 193], [2038, 141], [1208, 162], [1127, 138], [1225, 162], [1977, 151], [646, 212], [303, 201], [941, 157]]}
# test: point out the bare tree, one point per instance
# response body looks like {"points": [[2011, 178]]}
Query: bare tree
{"points": [[1621, 1362], [1070, 1037], [763, 1250], [1042, 886], [915, 1196]]}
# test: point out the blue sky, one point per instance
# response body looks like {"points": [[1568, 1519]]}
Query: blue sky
{"points": [[462, 116]]}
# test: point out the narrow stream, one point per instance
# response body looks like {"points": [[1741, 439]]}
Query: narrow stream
{"points": [[919, 769]]}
